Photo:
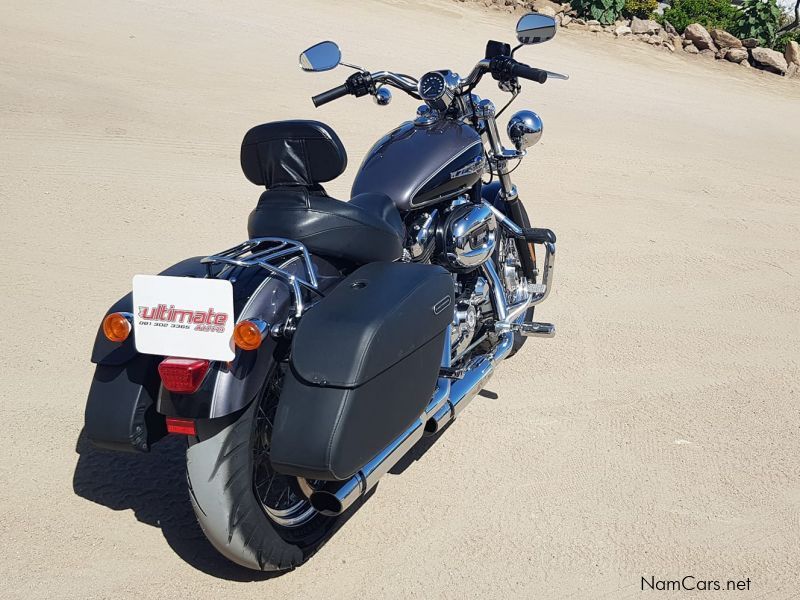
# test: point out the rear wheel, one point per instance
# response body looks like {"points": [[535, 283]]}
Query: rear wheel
{"points": [[252, 515]]}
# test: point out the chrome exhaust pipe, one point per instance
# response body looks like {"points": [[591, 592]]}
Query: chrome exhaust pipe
{"points": [[464, 390], [448, 400], [332, 502]]}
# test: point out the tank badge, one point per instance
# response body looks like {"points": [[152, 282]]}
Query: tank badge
{"points": [[476, 166]]}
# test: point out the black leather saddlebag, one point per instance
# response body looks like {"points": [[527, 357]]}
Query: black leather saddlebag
{"points": [[363, 366]]}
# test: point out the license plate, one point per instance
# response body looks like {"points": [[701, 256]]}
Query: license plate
{"points": [[183, 316]]}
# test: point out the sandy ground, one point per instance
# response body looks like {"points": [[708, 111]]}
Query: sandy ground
{"points": [[657, 435]]}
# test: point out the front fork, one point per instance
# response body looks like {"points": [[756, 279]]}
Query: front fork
{"points": [[508, 191]]}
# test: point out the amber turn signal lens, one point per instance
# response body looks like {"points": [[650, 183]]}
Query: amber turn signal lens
{"points": [[116, 327], [247, 335]]}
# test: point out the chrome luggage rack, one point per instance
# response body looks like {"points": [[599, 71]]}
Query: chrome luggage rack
{"points": [[272, 254]]}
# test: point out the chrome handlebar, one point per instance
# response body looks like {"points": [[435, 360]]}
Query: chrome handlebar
{"points": [[403, 82]]}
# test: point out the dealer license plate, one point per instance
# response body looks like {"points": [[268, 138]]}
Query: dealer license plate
{"points": [[183, 316]]}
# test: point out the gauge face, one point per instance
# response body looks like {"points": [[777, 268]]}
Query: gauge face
{"points": [[431, 86]]}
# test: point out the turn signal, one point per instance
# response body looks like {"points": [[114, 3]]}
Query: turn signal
{"points": [[116, 327], [249, 334]]}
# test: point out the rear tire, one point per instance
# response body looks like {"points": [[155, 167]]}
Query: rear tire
{"points": [[224, 471]]}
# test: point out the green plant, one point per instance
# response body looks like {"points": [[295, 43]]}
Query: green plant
{"points": [[719, 14], [643, 9], [784, 38], [759, 19], [605, 11]]}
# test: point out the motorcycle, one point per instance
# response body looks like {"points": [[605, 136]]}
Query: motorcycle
{"points": [[304, 363]]}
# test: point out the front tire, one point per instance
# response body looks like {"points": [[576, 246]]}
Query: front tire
{"points": [[253, 516]]}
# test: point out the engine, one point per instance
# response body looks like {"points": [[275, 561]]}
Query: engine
{"points": [[461, 238]]}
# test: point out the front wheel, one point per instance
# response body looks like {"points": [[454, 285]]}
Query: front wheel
{"points": [[252, 515], [506, 258]]}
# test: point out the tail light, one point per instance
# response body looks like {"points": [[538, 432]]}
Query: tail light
{"points": [[182, 375], [181, 426]]}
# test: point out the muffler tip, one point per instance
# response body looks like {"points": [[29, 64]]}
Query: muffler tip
{"points": [[326, 503]]}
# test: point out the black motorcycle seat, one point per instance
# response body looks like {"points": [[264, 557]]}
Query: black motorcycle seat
{"points": [[291, 159], [364, 230]]}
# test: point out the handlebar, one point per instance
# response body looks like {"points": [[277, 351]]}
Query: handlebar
{"points": [[501, 68], [531, 73], [330, 95]]}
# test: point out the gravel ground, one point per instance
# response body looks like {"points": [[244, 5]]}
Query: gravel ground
{"points": [[655, 436]]}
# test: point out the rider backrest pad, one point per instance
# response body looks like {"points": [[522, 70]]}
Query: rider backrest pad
{"points": [[364, 364], [292, 153]]}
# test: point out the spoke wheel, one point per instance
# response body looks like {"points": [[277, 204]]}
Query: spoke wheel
{"points": [[281, 496]]}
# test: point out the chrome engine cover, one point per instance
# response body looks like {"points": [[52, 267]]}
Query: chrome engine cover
{"points": [[468, 236]]}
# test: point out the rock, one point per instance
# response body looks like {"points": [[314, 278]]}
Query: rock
{"points": [[744, 63], [622, 30], [793, 70], [592, 22], [736, 55], [770, 59], [565, 20], [540, 5], [709, 53], [642, 26], [595, 28], [792, 53], [750, 43], [691, 49], [723, 39], [653, 40], [639, 26], [677, 42], [669, 28], [579, 21], [699, 36]]}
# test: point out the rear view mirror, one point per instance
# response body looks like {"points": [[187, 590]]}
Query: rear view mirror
{"points": [[321, 57], [534, 28]]}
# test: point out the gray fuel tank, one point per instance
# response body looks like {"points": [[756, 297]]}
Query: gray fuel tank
{"points": [[420, 165]]}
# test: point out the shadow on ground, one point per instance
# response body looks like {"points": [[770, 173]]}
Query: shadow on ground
{"points": [[153, 486]]}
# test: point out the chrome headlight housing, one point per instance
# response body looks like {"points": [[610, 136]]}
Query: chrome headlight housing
{"points": [[524, 129]]}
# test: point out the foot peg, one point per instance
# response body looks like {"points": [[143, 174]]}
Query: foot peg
{"points": [[452, 373], [536, 329]]}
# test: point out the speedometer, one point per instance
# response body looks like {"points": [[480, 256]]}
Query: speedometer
{"points": [[431, 86]]}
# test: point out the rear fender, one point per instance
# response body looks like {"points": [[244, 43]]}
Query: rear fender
{"points": [[127, 404]]}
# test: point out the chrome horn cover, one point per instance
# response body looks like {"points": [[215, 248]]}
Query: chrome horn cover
{"points": [[524, 129]]}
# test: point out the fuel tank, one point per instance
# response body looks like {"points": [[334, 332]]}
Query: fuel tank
{"points": [[417, 165]]}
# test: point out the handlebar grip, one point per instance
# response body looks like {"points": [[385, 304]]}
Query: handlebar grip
{"points": [[530, 73], [330, 95]]}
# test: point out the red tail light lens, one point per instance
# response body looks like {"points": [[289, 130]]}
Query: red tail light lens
{"points": [[182, 375], [181, 426]]}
